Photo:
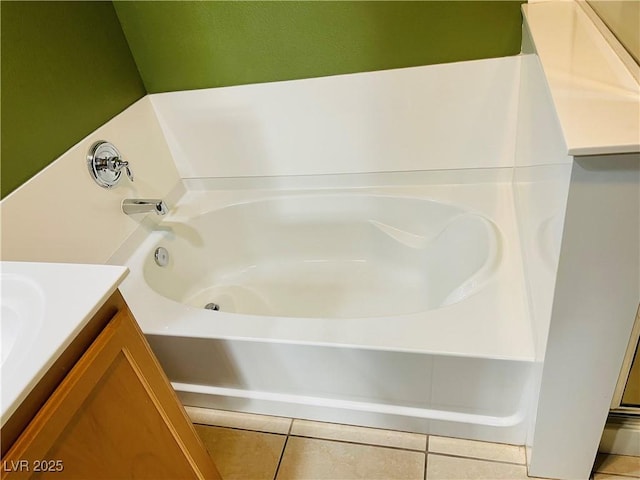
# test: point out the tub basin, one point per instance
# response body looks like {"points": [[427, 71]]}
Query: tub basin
{"points": [[331, 256]]}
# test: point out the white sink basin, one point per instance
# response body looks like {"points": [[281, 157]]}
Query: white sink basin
{"points": [[21, 312]]}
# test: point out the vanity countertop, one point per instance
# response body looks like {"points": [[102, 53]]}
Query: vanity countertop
{"points": [[596, 97], [44, 307]]}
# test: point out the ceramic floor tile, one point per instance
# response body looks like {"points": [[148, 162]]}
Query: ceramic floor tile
{"points": [[246, 421], [243, 455], [440, 467], [370, 436], [608, 476], [480, 450], [618, 465], [309, 458]]}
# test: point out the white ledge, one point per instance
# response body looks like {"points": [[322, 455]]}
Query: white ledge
{"points": [[596, 97]]}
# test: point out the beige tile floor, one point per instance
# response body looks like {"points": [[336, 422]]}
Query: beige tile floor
{"points": [[257, 447]]}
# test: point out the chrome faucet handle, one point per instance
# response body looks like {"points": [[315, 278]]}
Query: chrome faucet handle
{"points": [[116, 164], [129, 172], [106, 164]]}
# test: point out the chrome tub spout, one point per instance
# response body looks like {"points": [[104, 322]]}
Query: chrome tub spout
{"points": [[132, 206]]}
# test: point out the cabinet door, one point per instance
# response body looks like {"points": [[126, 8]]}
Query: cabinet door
{"points": [[114, 416]]}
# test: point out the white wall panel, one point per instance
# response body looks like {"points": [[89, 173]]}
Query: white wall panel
{"points": [[451, 116]]}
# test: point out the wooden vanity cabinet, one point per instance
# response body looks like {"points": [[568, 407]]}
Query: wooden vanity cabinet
{"points": [[113, 416]]}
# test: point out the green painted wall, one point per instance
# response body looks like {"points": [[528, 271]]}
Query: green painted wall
{"points": [[191, 44], [66, 70]]}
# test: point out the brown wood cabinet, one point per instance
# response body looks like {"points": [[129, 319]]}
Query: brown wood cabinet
{"points": [[113, 416]]}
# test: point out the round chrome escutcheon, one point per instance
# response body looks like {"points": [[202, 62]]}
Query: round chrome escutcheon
{"points": [[97, 158]]}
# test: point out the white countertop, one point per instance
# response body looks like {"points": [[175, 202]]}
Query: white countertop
{"points": [[55, 300], [596, 98]]}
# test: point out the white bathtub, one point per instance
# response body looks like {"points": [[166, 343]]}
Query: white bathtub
{"points": [[398, 307]]}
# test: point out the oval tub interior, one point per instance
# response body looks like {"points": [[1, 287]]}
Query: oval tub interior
{"points": [[328, 256]]}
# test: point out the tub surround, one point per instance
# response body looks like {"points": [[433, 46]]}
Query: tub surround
{"points": [[94, 227], [69, 296], [388, 121]]}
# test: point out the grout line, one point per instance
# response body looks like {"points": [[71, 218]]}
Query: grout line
{"points": [[241, 429], [350, 442], [480, 459], [284, 447], [426, 461], [364, 427], [426, 456], [248, 417]]}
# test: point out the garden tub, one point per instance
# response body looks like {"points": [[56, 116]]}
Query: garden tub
{"points": [[391, 307]]}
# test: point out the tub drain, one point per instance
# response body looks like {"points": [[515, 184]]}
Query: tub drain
{"points": [[161, 256], [212, 306]]}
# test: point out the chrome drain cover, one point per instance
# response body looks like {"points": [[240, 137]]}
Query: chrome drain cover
{"points": [[161, 256], [212, 306]]}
